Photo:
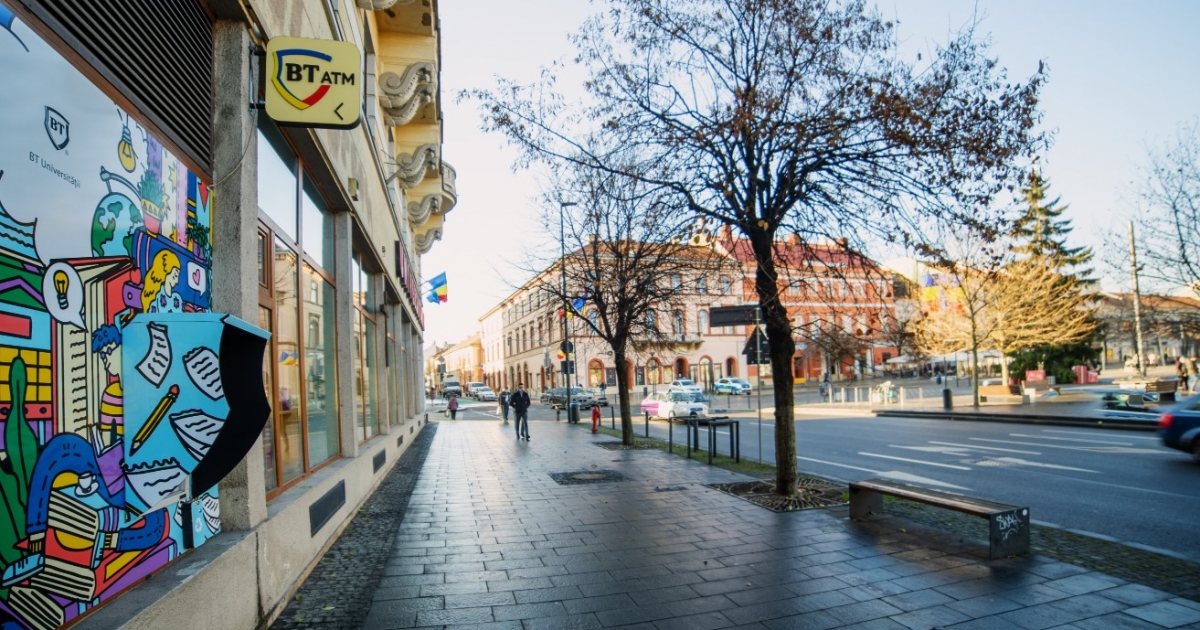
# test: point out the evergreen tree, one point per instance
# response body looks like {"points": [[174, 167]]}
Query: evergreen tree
{"points": [[1041, 232]]}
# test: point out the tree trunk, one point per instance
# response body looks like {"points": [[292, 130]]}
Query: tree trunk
{"points": [[623, 397], [782, 348]]}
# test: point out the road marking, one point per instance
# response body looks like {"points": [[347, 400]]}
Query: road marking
{"points": [[1089, 449], [1025, 462], [913, 461], [1048, 437], [891, 474], [1127, 437], [988, 448]]}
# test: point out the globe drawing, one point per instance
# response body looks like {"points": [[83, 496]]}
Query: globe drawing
{"points": [[116, 218]]}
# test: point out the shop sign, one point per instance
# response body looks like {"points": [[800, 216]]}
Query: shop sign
{"points": [[314, 83]]}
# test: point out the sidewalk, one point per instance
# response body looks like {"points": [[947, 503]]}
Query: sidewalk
{"points": [[634, 539]]}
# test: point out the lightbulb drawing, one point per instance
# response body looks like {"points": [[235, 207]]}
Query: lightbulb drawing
{"points": [[125, 149], [61, 282]]}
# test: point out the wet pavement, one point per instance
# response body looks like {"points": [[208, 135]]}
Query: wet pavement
{"points": [[559, 533]]}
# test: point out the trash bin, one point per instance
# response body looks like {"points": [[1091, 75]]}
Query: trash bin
{"points": [[573, 412], [947, 399]]}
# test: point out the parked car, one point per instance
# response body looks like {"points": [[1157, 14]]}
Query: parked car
{"points": [[545, 397], [558, 397], [483, 393], [684, 385], [600, 399], [470, 389], [733, 386], [672, 405], [1180, 428]]}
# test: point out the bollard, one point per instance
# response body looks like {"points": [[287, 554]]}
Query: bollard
{"points": [[647, 423], [947, 399], [612, 418], [556, 412]]}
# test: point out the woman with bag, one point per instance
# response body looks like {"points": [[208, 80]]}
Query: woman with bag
{"points": [[452, 407]]}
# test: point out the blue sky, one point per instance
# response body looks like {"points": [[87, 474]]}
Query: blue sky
{"points": [[1122, 76]]}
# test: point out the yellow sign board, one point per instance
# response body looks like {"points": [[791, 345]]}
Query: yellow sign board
{"points": [[314, 82]]}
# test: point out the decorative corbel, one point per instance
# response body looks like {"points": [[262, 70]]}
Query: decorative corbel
{"points": [[402, 96], [418, 212], [425, 241], [380, 5], [413, 167]]}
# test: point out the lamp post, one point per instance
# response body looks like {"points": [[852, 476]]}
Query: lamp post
{"points": [[562, 240]]}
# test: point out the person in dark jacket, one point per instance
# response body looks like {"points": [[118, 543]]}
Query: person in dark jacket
{"points": [[520, 404], [452, 406]]}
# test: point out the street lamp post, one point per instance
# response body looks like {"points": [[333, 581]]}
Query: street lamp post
{"points": [[562, 239]]}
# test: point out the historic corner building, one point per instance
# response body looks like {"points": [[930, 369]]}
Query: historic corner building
{"points": [[157, 228]]}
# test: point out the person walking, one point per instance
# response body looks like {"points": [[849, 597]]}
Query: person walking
{"points": [[603, 388], [505, 398], [520, 405], [1182, 372], [453, 407]]}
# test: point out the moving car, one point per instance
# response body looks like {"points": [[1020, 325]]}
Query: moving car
{"points": [[672, 405], [1179, 428], [684, 385], [732, 385], [470, 389], [483, 393]]}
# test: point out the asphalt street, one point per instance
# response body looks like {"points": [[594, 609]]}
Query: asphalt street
{"points": [[1118, 484]]}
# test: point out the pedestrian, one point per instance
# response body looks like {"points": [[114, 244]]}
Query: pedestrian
{"points": [[505, 397], [452, 406], [1182, 371], [603, 387], [520, 405]]}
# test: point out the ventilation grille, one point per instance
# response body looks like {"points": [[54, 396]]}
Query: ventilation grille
{"points": [[158, 54]]}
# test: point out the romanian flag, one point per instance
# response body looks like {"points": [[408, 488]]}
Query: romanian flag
{"points": [[437, 289]]}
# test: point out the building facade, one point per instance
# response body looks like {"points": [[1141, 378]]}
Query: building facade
{"points": [[830, 295], [140, 176]]}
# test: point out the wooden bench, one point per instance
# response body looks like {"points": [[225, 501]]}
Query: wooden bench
{"points": [[1000, 393], [1164, 389], [1008, 525]]}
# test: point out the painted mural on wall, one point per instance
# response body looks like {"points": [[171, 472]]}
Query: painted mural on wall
{"points": [[101, 230]]}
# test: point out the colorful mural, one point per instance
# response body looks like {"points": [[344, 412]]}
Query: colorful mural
{"points": [[114, 416]]}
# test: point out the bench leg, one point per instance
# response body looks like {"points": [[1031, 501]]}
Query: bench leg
{"points": [[1009, 534], [864, 503]]}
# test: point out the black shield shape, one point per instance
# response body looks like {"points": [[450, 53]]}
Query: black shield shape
{"points": [[58, 129]]}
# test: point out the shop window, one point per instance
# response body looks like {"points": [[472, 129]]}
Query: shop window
{"points": [[296, 305]]}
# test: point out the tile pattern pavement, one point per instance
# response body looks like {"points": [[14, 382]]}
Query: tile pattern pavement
{"points": [[489, 540]]}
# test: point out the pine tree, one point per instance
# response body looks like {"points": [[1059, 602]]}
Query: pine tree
{"points": [[1041, 232]]}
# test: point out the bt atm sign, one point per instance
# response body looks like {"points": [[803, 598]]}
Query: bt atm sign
{"points": [[314, 83]]}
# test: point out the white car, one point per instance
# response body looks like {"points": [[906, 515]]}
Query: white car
{"points": [[680, 405], [471, 387], [483, 393], [685, 385], [732, 385]]}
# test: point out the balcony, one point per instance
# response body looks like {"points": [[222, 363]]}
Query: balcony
{"points": [[449, 187]]}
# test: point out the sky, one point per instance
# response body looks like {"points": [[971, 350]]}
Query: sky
{"points": [[1122, 77]]}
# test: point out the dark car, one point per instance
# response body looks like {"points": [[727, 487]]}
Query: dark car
{"points": [[1179, 428], [557, 397]]}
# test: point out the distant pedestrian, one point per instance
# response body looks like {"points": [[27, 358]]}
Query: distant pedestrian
{"points": [[505, 397], [520, 405], [452, 406], [1182, 371], [603, 387]]}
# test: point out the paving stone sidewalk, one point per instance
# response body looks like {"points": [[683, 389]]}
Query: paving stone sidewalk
{"points": [[490, 540]]}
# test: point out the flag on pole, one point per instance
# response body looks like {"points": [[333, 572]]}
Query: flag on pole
{"points": [[437, 289]]}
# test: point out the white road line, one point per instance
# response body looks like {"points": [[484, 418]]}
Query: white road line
{"points": [[1024, 462], [1153, 438], [821, 461], [913, 461], [987, 448], [1049, 437], [890, 474], [1087, 449]]}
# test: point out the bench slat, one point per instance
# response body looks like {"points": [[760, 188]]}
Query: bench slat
{"points": [[958, 502]]}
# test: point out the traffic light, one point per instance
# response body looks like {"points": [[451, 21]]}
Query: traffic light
{"points": [[567, 367]]}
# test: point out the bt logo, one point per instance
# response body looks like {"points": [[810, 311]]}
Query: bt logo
{"points": [[58, 129], [301, 80]]}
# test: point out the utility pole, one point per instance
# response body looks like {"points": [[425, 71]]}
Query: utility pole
{"points": [[566, 345], [1137, 304]]}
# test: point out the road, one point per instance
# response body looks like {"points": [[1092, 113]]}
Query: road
{"points": [[1120, 484]]}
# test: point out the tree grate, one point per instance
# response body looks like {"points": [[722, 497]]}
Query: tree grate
{"points": [[582, 477]]}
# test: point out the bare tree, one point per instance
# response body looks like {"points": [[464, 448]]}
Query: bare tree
{"points": [[784, 117], [1169, 220], [624, 244]]}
